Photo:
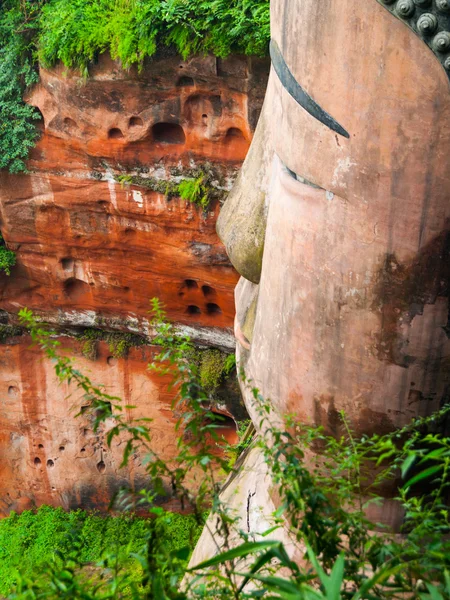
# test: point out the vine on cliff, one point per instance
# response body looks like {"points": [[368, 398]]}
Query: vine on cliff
{"points": [[7, 257], [18, 36], [76, 32], [118, 342]]}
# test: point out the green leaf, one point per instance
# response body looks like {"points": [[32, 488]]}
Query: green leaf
{"points": [[245, 549], [285, 588], [407, 464], [424, 475]]}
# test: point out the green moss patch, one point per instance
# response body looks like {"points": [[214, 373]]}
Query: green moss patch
{"points": [[31, 540]]}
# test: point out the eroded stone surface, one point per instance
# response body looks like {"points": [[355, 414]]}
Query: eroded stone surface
{"points": [[89, 245], [97, 237], [50, 456]]}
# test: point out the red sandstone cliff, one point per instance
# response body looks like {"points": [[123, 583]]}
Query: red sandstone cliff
{"points": [[95, 242]]}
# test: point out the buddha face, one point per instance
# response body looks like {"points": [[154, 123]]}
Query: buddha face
{"points": [[338, 222]]}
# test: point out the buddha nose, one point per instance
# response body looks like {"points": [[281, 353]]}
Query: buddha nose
{"points": [[242, 221]]}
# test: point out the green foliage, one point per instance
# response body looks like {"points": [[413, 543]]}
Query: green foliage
{"points": [[212, 367], [197, 186], [194, 191], [34, 539], [9, 331], [322, 503], [246, 434], [18, 31], [118, 343], [77, 31]]}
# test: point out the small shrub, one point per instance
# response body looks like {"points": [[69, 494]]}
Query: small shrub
{"points": [[8, 331], [7, 257], [89, 349], [118, 343], [194, 191]]}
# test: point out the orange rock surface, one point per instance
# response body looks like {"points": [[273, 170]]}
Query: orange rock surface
{"points": [[93, 250], [51, 456], [90, 247]]}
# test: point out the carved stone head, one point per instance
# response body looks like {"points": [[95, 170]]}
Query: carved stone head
{"points": [[339, 222]]}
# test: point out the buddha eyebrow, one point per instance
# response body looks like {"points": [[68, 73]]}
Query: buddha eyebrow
{"points": [[299, 94]]}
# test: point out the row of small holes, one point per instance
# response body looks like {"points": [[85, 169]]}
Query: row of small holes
{"points": [[170, 133], [211, 309], [207, 290], [101, 467], [165, 133]]}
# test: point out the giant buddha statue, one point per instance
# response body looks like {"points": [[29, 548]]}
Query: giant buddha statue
{"points": [[339, 221], [339, 227]]}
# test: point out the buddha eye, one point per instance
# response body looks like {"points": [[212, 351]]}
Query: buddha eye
{"points": [[299, 178]]}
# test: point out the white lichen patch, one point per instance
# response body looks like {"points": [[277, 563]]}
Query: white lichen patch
{"points": [[138, 198]]}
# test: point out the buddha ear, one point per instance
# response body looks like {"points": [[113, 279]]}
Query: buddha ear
{"points": [[243, 219]]}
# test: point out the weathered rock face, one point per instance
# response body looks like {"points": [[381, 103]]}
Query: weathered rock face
{"points": [[50, 456], [99, 230], [89, 246]]}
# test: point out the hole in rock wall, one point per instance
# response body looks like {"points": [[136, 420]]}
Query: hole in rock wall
{"points": [[135, 122], [37, 461], [115, 133], [40, 446], [40, 123], [193, 310], [101, 467], [185, 81], [213, 309], [168, 133], [67, 264], [191, 284], [111, 361], [50, 464], [198, 108], [75, 288], [62, 448], [226, 427], [13, 391], [104, 412], [234, 133], [208, 291], [69, 125]]}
